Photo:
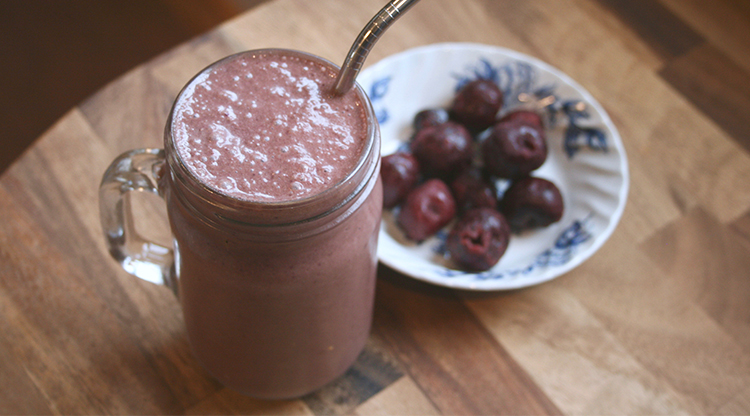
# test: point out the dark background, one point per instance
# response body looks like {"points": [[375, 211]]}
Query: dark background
{"points": [[55, 53]]}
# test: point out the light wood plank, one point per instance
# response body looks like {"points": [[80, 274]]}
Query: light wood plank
{"points": [[706, 164], [739, 405], [228, 402], [654, 318], [400, 398], [547, 327], [717, 279]]}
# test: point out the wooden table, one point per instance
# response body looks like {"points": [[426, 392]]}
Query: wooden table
{"points": [[658, 321]]}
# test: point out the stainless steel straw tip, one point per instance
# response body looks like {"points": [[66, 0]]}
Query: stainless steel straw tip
{"points": [[366, 40]]}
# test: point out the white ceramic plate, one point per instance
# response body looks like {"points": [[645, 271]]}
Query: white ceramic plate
{"points": [[586, 161]]}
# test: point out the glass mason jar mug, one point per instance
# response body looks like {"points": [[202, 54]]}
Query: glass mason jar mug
{"points": [[277, 296]]}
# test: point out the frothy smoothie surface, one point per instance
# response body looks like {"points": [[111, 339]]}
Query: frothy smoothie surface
{"points": [[265, 127]]}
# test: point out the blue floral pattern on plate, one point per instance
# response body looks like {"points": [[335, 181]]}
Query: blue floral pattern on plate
{"points": [[377, 91], [516, 78], [560, 253]]}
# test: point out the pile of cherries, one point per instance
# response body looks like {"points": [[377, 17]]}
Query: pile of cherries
{"points": [[436, 179]]}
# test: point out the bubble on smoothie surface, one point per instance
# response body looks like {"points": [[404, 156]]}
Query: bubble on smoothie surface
{"points": [[293, 139]]}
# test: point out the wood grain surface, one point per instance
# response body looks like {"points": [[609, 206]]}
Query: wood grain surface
{"points": [[656, 322]]}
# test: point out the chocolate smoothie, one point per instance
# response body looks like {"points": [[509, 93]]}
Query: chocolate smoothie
{"points": [[277, 291]]}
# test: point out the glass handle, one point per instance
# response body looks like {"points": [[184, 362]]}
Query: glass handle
{"points": [[136, 170]]}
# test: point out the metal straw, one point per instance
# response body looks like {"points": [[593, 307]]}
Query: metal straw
{"points": [[365, 41]]}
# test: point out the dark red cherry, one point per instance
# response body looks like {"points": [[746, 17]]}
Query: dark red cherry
{"points": [[427, 209], [471, 190], [524, 116], [430, 117], [514, 149], [476, 105], [478, 239], [532, 203], [399, 172], [443, 150]]}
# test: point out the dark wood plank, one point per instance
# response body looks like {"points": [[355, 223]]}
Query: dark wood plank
{"points": [[374, 370], [20, 394], [459, 366], [664, 32], [742, 226], [743, 6], [717, 86]]}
